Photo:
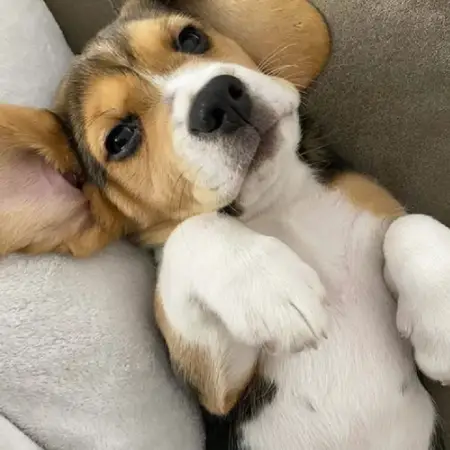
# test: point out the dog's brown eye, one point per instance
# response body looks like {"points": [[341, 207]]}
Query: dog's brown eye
{"points": [[192, 40], [124, 139]]}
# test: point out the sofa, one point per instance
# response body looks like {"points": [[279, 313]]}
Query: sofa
{"points": [[384, 102]]}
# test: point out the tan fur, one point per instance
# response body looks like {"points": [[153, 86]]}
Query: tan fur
{"points": [[109, 225], [289, 37], [368, 195], [151, 191], [33, 137], [151, 41], [207, 375]]}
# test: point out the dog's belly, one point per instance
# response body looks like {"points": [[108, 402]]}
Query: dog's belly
{"points": [[359, 389]]}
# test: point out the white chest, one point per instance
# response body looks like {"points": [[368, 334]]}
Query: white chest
{"points": [[359, 389]]}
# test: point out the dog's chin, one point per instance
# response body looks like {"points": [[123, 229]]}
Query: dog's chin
{"points": [[269, 159], [266, 149], [254, 157], [262, 151]]}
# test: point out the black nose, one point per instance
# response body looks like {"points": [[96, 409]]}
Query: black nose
{"points": [[222, 105]]}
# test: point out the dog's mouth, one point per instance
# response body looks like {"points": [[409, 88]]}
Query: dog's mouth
{"points": [[267, 146], [263, 152]]}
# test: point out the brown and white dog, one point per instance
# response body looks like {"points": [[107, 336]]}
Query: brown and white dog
{"points": [[283, 319]]}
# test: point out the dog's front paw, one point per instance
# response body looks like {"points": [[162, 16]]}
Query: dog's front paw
{"points": [[428, 329], [419, 266], [274, 300]]}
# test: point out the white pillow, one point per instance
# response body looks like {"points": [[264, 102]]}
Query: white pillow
{"points": [[33, 53], [81, 364]]}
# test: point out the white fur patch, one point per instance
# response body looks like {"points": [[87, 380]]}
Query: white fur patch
{"points": [[417, 250]]}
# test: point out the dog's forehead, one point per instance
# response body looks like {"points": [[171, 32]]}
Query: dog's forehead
{"points": [[131, 49], [144, 42]]}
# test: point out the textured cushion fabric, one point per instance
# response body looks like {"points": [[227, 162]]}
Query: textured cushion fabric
{"points": [[81, 364], [384, 99], [12, 438], [81, 19], [33, 53]]}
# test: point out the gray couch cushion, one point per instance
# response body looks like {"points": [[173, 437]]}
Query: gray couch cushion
{"points": [[385, 97], [81, 365], [81, 19]]}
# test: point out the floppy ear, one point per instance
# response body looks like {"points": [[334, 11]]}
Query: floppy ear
{"points": [[286, 38], [40, 210]]}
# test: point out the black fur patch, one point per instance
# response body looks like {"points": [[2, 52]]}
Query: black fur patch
{"points": [[224, 433], [232, 210], [438, 438], [314, 151], [438, 442], [92, 170]]}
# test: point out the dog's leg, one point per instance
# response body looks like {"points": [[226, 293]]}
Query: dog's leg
{"points": [[224, 294], [417, 253]]}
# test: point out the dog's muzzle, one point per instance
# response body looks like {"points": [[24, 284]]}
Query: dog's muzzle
{"points": [[223, 105]]}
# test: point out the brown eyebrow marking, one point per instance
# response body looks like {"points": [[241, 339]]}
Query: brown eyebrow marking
{"points": [[99, 115]]}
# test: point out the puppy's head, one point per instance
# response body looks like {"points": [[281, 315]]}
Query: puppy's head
{"points": [[169, 116], [161, 115]]}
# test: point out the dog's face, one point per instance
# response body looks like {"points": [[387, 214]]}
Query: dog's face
{"points": [[166, 118], [227, 123], [170, 116]]}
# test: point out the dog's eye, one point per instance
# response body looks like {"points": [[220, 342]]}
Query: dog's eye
{"points": [[192, 40], [124, 139]]}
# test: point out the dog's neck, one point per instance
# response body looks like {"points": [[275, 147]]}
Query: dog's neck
{"points": [[293, 181]]}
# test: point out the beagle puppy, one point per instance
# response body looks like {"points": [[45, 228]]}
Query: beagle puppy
{"points": [[281, 266]]}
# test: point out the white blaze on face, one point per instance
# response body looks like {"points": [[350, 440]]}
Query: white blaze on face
{"points": [[220, 161]]}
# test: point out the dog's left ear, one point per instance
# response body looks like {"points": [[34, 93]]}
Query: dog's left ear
{"points": [[40, 211], [286, 38]]}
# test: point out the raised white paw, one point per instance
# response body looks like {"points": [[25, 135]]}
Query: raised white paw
{"points": [[272, 299], [430, 338], [417, 252]]}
